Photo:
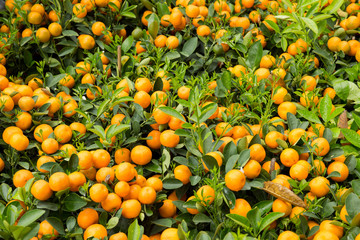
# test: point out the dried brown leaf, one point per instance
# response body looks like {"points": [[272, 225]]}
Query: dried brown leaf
{"points": [[272, 165], [283, 193], [342, 13], [47, 92], [342, 123]]}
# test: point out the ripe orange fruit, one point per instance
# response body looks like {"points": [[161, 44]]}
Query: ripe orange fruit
{"points": [[24, 120], [242, 207], [79, 10], [9, 132], [325, 235], [282, 206], [170, 234], [86, 41], [125, 172], [41, 190], [289, 157], [98, 192], [111, 203], [183, 174], [21, 177], [120, 235], [168, 138], [101, 158], [76, 179], [7, 103], [43, 34], [47, 229], [279, 95], [327, 226], [19, 141], [168, 209], [87, 217], [105, 173], [339, 167], [97, 28], [141, 155], [252, 169], [34, 18], [130, 208], [59, 181], [333, 44], [257, 152], [42, 132], [321, 145], [55, 29], [155, 183], [172, 42], [235, 180], [295, 135], [287, 235], [96, 230], [49, 146], [147, 195], [298, 172], [271, 137], [122, 189], [206, 194], [143, 84], [319, 186], [286, 107]]}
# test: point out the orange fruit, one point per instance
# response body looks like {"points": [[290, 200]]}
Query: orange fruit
{"points": [[43, 34], [339, 167], [100, 158], [47, 229], [19, 141], [98, 192], [96, 230], [242, 207], [41, 190], [111, 203], [289, 157], [333, 44], [147, 195], [141, 155], [87, 217], [125, 172], [288, 235], [168, 138], [206, 194], [319, 186], [286, 107], [21, 177], [217, 157], [170, 234], [9, 132], [252, 169], [130, 208], [59, 181], [298, 172], [235, 180], [49, 146], [122, 189], [257, 152], [271, 137], [168, 209], [282, 206], [76, 179], [327, 226], [183, 174], [321, 145]]}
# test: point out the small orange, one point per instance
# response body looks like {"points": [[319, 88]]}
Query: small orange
{"points": [[87, 217], [235, 180], [98, 192], [242, 207], [141, 155]]}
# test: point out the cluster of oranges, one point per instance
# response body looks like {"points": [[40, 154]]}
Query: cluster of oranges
{"points": [[48, 125]]}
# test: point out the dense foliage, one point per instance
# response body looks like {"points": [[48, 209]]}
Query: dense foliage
{"points": [[186, 119]]}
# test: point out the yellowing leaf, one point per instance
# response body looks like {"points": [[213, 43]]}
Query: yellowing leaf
{"points": [[283, 193]]}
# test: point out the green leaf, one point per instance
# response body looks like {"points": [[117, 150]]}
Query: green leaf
{"points": [[103, 106], [342, 89], [352, 204], [255, 55], [74, 202], [311, 24], [201, 218], [112, 223], [273, 25], [310, 116], [135, 232], [57, 224], [356, 119], [164, 222], [172, 112], [333, 7], [126, 45], [210, 162], [325, 108], [69, 33], [351, 136], [30, 217], [226, 80], [189, 46], [172, 183], [66, 51], [53, 80], [321, 17], [240, 220], [269, 218], [153, 25], [203, 236]]}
